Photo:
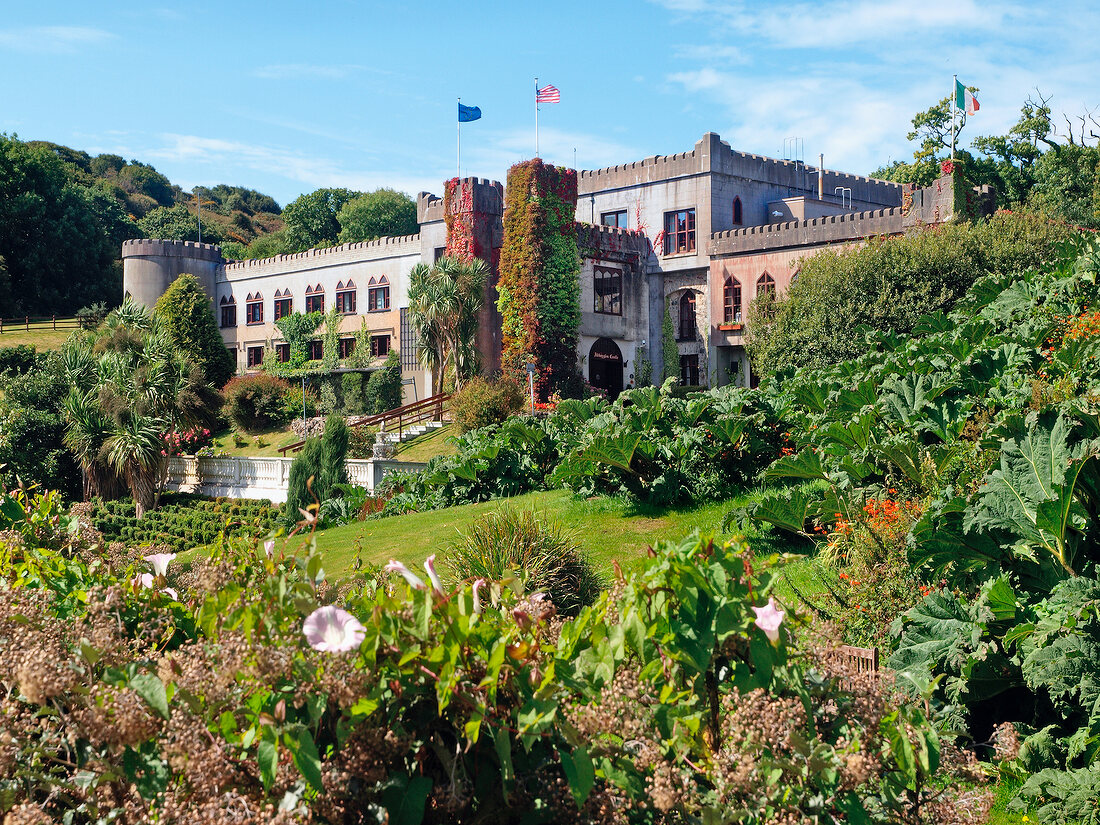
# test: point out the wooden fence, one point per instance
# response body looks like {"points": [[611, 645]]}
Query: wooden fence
{"points": [[29, 322]]}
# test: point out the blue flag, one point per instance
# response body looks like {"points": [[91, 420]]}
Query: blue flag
{"points": [[468, 113]]}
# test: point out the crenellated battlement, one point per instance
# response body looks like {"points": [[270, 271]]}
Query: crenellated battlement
{"points": [[712, 154], [597, 240], [151, 247], [385, 243], [813, 231]]}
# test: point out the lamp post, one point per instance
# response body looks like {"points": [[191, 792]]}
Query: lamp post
{"points": [[531, 385]]}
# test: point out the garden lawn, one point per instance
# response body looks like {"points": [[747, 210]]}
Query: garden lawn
{"points": [[607, 529], [274, 438], [429, 445], [41, 336]]}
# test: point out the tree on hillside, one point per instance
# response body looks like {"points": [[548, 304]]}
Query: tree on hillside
{"points": [[311, 220], [130, 385], [60, 239], [383, 212], [444, 301], [887, 285], [178, 223], [185, 312]]}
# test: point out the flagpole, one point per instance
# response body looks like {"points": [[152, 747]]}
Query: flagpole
{"points": [[954, 91], [536, 117], [458, 173]]}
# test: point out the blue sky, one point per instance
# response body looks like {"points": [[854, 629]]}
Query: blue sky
{"points": [[287, 97]]}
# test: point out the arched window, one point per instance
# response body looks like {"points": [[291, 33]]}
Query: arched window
{"points": [[254, 308], [345, 297], [738, 216], [229, 311], [731, 301], [315, 299], [687, 317], [378, 297], [765, 283], [284, 303]]}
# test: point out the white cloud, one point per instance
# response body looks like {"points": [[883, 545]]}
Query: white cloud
{"points": [[312, 171], [52, 39], [711, 53]]}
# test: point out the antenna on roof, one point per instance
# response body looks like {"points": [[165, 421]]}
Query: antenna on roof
{"points": [[793, 150]]}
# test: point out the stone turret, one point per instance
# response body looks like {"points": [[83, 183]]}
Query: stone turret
{"points": [[150, 266]]}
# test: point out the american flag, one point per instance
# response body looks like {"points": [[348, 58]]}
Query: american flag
{"points": [[548, 94]]}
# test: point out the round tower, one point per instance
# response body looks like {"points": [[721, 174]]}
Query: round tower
{"points": [[149, 266]]}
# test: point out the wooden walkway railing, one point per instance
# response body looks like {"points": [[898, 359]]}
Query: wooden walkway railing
{"points": [[430, 409]]}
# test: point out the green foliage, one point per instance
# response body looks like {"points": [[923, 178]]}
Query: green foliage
{"points": [[185, 521], [32, 427], [59, 235], [311, 219], [887, 285], [1063, 797], [302, 481], [544, 557], [383, 212], [482, 402], [666, 683], [297, 329], [445, 301], [383, 387], [188, 317], [670, 353], [259, 401], [178, 223], [334, 456], [539, 287]]}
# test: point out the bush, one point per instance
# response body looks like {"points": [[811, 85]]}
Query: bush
{"points": [[481, 403], [260, 401], [544, 557], [383, 390], [186, 313], [306, 466], [19, 359], [334, 455]]}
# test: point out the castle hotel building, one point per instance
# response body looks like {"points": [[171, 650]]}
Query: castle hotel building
{"points": [[702, 233]]}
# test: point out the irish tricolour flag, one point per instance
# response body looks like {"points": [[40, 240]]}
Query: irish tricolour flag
{"points": [[965, 100]]}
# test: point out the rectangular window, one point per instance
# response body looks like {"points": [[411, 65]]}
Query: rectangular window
{"points": [[379, 345], [254, 312], [347, 347], [229, 315], [440, 251], [617, 218], [608, 290], [689, 370], [679, 232], [345, 302], [282, 352], [378, 298], [283, 307], [316, 350], [315, 303], [255, 357]]}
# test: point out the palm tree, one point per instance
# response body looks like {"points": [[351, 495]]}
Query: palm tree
{"points": [[129, 387], [444, 302]]}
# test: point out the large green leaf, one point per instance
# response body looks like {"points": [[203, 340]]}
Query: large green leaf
{"points": [[1031, 494]]}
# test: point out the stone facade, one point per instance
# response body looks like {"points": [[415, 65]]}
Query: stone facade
{"points": [[667, 231]]}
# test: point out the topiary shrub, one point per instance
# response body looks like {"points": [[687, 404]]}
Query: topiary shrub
{"points": [[259, 402], [306, 466], [543, 556], [334, 455], [481, 403], [186, 313]]}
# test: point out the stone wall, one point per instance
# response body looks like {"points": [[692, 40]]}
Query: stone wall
{"points": [[149, 267]]}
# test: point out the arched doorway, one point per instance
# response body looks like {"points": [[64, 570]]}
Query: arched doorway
{"points": [[605, 366]]}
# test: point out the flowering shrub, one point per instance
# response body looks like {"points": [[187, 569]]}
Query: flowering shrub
{"points": [[187, 442], [260, 401], [482, 402], [249, 689]]}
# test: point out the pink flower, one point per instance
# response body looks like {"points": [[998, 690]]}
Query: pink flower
{"points": [[269, 547], [414, 581], [160, 562], [144, 580], [480, 583], [171, 592], [768, 619], [429, 565], [333, 630]]}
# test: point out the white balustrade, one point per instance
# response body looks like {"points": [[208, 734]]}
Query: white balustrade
{"points": [[245, 477]]}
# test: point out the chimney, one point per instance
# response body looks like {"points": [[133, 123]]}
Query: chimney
{"points": [[821, 177]]}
